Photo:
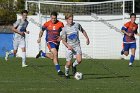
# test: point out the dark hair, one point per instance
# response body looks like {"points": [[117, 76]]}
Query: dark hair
{"points": [[24, 11], [132, 14], [54, 14]]}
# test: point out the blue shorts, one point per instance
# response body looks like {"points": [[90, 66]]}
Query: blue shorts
{"points": [[128, 46], [53, 45]]}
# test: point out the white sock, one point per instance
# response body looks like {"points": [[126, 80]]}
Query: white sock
{"points": [[66, 71], [75, 63], [11, 52], [23, 58]]}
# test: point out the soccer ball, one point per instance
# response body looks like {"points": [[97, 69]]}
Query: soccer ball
{"points": [[78, 76]]}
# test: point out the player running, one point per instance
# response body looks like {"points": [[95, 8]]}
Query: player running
{"points": [[53, 28], [19, 29], [70, 38], [130, 29]]}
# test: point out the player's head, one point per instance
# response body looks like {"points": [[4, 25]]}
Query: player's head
{"points": [[69, 18], [54, 17], [133, 17], [24, 14]]}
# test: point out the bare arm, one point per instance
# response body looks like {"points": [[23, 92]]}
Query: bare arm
{"points": [[129, 34], [86, 36], [66, 44], [40, 35], [16, 31]]}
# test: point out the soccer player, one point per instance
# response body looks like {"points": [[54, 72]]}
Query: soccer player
{"points": [[70, 38], [19, 29], [130, 29], [53, 28]]}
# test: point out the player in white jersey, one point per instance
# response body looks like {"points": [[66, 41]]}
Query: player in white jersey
{"points": [[19, 29], [70, 38]]}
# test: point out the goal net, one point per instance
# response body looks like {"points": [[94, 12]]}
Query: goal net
{"points": [[105, 41]]}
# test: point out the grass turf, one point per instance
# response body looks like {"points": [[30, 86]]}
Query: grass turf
{"points": [[100, 76]]}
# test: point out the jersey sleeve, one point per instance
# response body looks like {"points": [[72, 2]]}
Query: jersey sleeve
{"points": [[44, 27], [61, 26], [16, 24], [126, 26], [80, 28]]}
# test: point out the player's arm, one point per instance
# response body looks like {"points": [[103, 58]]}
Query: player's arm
{"points": [[85, 34], [136, 33], [41, 32], [124, 29], [63, 37], [66, 44], [15, 26], [40, 35]]}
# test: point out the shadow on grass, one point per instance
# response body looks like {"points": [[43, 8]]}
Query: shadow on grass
{"points": [[88, 76]]}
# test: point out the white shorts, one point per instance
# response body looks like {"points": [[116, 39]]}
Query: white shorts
{"points": [[19, 43], [69, 53]]}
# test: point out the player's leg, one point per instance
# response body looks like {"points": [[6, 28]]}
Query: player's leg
{"points": [[78, 59], [69, 56], [132, 57], [122, 51], [23, 56], [43, 54], [22, 45], [54, 50], [12, 52], [76, 62], [126, 49]]}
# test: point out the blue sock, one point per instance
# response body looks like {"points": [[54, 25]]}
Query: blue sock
{"points": [[57, 67], [43, 54], [132, 58]]}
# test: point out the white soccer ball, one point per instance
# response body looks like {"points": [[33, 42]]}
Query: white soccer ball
{"points": [[78, 76]]}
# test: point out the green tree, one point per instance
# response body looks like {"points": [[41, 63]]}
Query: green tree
{"points": [[9, 9]]}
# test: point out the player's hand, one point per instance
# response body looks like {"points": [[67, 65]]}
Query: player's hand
{"points": [[59, 39], [70, 47], [27, 32], [39, 40], [129, 34], [87, 42], [22, 33]]}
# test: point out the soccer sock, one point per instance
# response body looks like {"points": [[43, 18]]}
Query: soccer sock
{"points": [[23, 58], [122, 52], [11, 52], [132, 58], [75, 63], [43, 54], [66, 71], [57, 66]]}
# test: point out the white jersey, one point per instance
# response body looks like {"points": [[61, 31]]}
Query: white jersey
{"points": [[21, 26], [71, 34]]}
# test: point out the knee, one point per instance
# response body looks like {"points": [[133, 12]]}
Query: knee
{"points": [[14, 52], [79, 61], [125, 53], [68, 64]]}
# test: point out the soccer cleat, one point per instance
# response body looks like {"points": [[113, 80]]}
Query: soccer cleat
{"points": [[6, 56], [60, 73], [67, 77], [130, 64], [74, 70], [39, 54], [24, 65]]}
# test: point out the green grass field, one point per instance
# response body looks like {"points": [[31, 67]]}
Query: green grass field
{"points": [[100, 76]]}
